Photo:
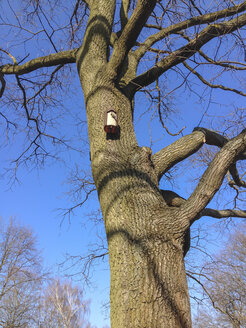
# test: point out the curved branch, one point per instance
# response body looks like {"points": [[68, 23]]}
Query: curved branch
{"points": [[60, 58], [239, 66], [74, 16], [8, 122], [69, 211], [215, 139], [213, 177], [185, 52], [9, 54], [177, 151], [130, 34], [188, 145], [195, 6], [206, 291], [236, 178], [47, 83]]}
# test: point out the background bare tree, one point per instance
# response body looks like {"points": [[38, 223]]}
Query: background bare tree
{"points": [[21, 276], [63, 306], [29, 296], [224, 286]]}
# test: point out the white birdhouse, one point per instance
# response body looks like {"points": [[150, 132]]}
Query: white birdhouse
{"points": [[110, 121]]}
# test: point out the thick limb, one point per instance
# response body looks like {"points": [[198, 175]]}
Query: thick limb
{"points": [[177, 151], [130, 34], [213, 177], [188, 145], [60, 58]]}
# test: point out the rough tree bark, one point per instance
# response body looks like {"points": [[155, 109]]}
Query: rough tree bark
{"points": [[146, 235], [147, 228]]}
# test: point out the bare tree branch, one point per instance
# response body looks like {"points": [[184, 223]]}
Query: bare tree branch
{"points": [[10, 55], [219, 214], [236, 178], [160, 112], [196, 7], [185, 52], [69, 211], [47, 83], [194, 21], [213, 138], [226, 64], [191, 275], [177, 151], [60, 58], [211, 85], [78, 16]]}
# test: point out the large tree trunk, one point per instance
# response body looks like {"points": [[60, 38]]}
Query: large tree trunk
{"points": [[148, 282], [145, 239], [145, 235]]}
